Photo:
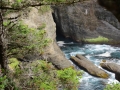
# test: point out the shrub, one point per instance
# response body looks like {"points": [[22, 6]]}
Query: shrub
{"points": [[7, 84], [41, 75], [113, 86], [24, 40], [68, 78], [3, 82]]}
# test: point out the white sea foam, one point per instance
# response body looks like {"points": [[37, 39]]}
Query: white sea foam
{"points": [[106, 54], [74, 53], [60, 43], [110, 81]]}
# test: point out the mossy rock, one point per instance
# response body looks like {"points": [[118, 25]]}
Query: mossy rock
{"points": [[13, 63], [103, 75]]}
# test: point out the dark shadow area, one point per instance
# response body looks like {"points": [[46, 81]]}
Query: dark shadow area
{"points": [[59, 36], [112, 5]]}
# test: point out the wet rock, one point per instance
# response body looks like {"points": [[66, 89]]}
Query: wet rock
{"points": [[112, 67], [59, 61], [88, 66]]}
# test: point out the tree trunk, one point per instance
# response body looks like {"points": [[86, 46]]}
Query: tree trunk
{"points": [[3, 44]]}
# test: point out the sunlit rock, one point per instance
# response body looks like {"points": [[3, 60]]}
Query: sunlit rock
{"points": [[88, 66]]}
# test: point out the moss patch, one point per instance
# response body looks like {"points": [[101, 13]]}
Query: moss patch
{"points": [[13, 63], [99, 39]]}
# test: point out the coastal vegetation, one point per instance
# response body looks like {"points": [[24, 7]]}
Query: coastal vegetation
{"points": [[18, 40], [113, 86], [39, 75], [99, 39], [26, 40], [23, 65]]}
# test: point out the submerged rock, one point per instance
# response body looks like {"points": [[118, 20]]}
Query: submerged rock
{"points": [[88, 66]]}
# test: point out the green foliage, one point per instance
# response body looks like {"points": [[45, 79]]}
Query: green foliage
{"points": [[68, 78], [13, 63], [41, 75], [26, 3], [50, 79], [24, 40], [3, 82], [5, 23], [45, 80], [7, 84], [17, 3], [113, 86], [97, 40]]}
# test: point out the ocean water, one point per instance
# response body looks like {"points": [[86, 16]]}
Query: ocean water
{"points": [[94, 53]]}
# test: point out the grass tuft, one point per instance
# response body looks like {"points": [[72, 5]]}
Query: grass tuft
{"points": [[99, 39]]}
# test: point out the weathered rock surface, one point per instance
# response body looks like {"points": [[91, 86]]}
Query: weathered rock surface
{"points": [[86, 20], [88, 66], [112, 67], [52, 52]]}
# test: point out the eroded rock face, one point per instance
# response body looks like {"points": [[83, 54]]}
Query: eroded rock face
{"points": [[86, 20], [52, 52]]}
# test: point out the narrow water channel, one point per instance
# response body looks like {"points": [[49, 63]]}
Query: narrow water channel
{"points": [[94, 53]]}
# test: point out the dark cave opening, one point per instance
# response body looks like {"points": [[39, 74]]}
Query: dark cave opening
{"points": [[59, 35]]}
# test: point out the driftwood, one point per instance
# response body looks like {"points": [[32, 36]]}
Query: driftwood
{"points": [[112, 67], [88, 66]]}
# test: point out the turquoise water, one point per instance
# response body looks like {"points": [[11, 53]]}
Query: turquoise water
{"points": [[94, 53]]}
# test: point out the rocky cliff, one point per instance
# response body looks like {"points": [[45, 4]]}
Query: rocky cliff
{"points": [[86, 20], [52, 53]]}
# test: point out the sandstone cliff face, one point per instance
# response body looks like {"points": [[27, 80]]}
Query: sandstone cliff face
{"points": [[86, 20], [52, 52]]}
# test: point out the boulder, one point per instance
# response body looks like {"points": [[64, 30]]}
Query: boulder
{"points": [[112, 67], [88, 66]]}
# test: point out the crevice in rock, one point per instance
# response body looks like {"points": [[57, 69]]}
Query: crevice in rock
{"points": [[59, 35]]}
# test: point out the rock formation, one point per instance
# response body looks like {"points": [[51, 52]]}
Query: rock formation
{"points": [[52, 52], [112, 67], [88, 66], [85, 21]]}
